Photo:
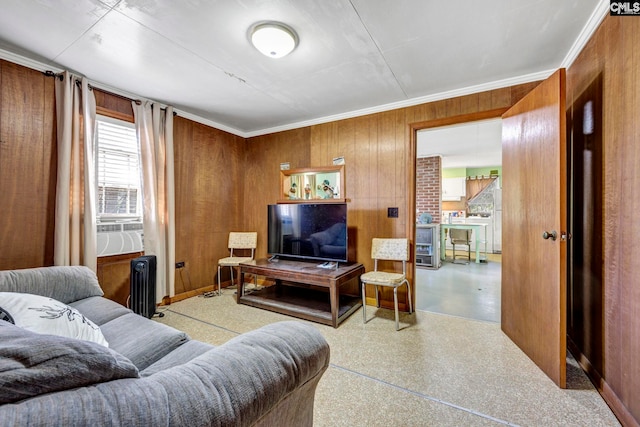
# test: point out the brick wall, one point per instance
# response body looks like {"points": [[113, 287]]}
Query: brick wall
{"points": [[428, 176]]}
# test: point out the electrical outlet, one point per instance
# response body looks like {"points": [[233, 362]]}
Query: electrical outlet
{"points": [[180, 264]]}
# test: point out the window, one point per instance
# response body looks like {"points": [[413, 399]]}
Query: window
{"points": [[118, 184], [117, 170]]}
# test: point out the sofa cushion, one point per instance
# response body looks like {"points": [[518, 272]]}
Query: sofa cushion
{"points": [[100, 310], [240, 381], [181, 355], [49, 316], [32, 364], [142, 340], [65, 284]]}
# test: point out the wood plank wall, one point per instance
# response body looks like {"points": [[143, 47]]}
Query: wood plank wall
{"points": [[27, 167], [611, 60], [378, 166], [208, 168], [209, 190]]}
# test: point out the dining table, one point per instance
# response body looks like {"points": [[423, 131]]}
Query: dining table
{"points": [[479, 231]]}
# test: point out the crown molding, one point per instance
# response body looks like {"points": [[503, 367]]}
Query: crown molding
{"points": [[596, 18], [211, 123], [28, 62]]}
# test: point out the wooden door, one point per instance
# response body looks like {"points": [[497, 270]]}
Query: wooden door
{"points": [[534, 202]]}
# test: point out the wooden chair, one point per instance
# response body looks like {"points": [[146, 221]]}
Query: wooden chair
{"points": [[238, 241], [391, 250]]}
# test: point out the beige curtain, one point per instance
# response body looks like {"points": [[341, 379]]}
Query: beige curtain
{"points": [[75, 216], [154, 126]]}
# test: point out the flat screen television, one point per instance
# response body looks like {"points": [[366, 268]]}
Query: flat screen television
{"points": [[314, 231]]}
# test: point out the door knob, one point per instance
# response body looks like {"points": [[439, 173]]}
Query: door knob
{"points": [[553, 235]]}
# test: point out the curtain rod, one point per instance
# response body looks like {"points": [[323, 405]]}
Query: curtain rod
{"points": [[471, 178], [50, 73], [137, 101]]}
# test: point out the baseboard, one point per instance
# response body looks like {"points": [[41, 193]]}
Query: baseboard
{"points": [[199, 291], [586, 365], [185, 295], [617, 407]]}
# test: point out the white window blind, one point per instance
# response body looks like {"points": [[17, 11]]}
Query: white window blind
{"points": [[117, 169]]}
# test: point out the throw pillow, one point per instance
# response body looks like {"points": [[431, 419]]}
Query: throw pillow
{"points": [[48, 316], [4, 315], [32, 364]]}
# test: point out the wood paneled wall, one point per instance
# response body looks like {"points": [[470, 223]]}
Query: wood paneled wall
{"points": [[611, 59], [209, 171], [209, 185], [114, 276], [27, 167], [379, 167], [261, 173]]}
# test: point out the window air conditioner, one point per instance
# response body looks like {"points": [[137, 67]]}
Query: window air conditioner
{"points": [[119, 238]]}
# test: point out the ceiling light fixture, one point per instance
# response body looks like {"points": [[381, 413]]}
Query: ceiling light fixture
{"points": [[273, 39]]}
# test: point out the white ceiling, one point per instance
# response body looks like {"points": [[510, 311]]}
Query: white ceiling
{"points": [[354, 56], [468, 145]]}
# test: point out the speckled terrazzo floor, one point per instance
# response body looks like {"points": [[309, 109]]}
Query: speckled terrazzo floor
{"points": [[439, 370]]}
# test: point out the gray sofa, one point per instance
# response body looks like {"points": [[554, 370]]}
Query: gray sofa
{"points": [[150, 374]]}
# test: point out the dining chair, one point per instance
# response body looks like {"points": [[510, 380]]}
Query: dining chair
{"points": [[387, 250], [238, 241], [459, 236]]}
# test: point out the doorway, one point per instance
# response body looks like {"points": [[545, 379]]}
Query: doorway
{"points": [[466, 158]]}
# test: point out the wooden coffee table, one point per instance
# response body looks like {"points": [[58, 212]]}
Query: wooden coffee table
{"points": [[305, 290]]}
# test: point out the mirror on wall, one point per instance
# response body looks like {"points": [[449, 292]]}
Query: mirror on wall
{"points": [[312, 184]]}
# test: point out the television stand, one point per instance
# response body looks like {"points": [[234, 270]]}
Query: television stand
{"points": [[303, 289]]}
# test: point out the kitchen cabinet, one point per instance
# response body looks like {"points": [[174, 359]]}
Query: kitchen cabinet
{"points": [[427, 245], [454, 189]]}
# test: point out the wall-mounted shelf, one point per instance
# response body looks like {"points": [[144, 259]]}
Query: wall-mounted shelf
{"points": [[319, 184]]}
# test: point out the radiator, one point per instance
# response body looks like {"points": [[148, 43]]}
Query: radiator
{"points": [[143, 286]]}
